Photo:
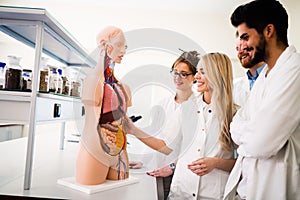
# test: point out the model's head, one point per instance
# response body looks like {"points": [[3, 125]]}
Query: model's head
{"points": [[258, 20], [184, 69], [215, 76], [112, 40]]}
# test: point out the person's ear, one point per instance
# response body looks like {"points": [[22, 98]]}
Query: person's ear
{"points": [[109, 49], [269, 30]]}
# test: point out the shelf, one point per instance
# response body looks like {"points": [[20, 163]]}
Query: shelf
{"points": [[59, 97], [26, 96], [71, 108], [58, 43], [15, 96], [36, 28]]}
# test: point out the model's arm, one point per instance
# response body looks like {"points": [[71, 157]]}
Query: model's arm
{"points": [[92, 89], [128, 94], [204, 166]]}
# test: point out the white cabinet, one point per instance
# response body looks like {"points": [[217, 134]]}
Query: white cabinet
{"points": [[55, 108], [15, 107], [39, 30]]}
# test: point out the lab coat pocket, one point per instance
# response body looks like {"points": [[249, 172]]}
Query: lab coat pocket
{"points": [[291, 163], [213, 184], [277, 177], [179, 193]]}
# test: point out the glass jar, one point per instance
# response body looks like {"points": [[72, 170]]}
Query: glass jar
{"points": [[2, 75], [75, 84], [65, 83], [76, 88], [27, 80], [44, 75], [53, 79], [59, 81], [13, 74]]}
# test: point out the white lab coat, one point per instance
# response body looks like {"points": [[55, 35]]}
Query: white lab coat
{"points": [[197, 143], [166, 125], [241, 90], [267, 131]]}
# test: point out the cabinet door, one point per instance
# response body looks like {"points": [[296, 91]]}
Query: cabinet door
{"points": [[51, 109]]}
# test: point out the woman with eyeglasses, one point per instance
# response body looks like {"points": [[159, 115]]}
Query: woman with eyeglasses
{"points": [[207, 150], [102, 154], [183, 71]]}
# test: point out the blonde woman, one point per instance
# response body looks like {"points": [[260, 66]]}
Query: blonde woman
{"points": [[202, 171], [207, 150]]}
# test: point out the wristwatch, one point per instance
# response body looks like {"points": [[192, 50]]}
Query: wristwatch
{"points": [[172, 166]]}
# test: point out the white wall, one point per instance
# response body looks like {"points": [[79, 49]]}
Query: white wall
{"points": [[204, 21]]}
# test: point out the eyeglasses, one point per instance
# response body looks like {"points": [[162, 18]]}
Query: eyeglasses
{"points": [[181, 75]]}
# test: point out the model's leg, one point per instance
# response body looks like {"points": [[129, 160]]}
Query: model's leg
{"points": [[121, 170], [89, 171], [113, 174]]}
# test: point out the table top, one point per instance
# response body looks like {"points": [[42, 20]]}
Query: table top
{"points": [[51, 164]]}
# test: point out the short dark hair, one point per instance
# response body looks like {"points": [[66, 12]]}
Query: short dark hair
{"points": [[259, 13]]}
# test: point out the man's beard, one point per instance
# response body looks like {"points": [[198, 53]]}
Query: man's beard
{"points": [[260, 52], [259, 55]]}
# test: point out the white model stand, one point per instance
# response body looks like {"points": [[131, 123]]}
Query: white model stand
{"points": [[90, 189]]}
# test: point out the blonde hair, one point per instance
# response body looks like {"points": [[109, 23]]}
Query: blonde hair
{"points": [[218, 72]]}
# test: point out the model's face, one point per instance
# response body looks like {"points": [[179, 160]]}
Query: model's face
{"points": [[250, 46], [182, 83], [202, 83], [118, 48]]}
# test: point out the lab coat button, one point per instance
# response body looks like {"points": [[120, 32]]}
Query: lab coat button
{"points": [[198, 150], [194, 194], [198, 111], [209, 111]]}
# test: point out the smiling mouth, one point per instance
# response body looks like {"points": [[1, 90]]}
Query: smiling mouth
{"points": [[200, 84], [244, 57]]}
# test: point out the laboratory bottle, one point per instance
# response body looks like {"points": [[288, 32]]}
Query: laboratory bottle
{"points": [[13, 74]]}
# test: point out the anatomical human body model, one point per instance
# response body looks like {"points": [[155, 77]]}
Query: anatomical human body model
{"points": [[102, 154]]}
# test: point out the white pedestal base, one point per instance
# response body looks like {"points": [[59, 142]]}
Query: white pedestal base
{"points": [[90, 189]]}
